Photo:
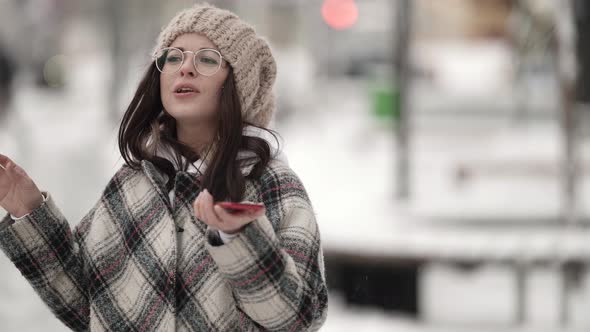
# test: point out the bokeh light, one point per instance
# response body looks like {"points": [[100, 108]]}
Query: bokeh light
{"points": [[340, 14], [54, 71]]}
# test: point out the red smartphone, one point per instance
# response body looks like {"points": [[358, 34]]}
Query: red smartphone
{"points": [[233, 207]]}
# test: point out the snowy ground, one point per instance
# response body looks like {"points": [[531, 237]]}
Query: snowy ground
{"points": [[346, 160], [508, 208]]}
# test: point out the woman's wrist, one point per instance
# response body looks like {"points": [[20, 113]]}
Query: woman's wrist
{"points": [[233, 232], [227, 237], [26, 211]]}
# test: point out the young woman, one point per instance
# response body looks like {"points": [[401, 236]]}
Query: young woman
{"points": [[159, 251]]}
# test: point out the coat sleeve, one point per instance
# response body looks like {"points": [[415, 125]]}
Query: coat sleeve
{"points": [[46, 252], [275, 265]]}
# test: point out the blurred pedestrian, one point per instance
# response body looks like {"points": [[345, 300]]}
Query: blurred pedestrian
{"points": [[160, 251], [7, 71]]}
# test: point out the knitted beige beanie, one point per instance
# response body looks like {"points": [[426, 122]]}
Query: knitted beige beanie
{"points": [[249, 55]]}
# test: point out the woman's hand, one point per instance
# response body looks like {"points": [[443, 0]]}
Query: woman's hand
{"points": [[19, 195], [218, 218]]}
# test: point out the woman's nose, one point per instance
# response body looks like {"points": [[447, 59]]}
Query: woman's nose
{"points": [[188, 66]]}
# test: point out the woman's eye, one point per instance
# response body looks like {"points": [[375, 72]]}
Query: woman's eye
{"points": [[208, 61], [173, 59]]}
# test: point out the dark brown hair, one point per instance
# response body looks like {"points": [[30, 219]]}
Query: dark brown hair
{"points": [[146, 126]]}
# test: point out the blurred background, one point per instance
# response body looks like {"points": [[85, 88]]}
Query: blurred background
{"points": [[443, 144]]}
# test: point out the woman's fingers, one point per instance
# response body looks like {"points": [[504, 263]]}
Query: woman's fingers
{"points": [[207, 208], [19, 175], [217, 217], [19, 195], [197, 207], [238, 217], [9, 169], [202, 211], [3, 161], [6, 176], [4, 181], [7, 165]]}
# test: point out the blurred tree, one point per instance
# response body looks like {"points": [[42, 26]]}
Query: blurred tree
{"points": [[7, 70], [582, 23]]}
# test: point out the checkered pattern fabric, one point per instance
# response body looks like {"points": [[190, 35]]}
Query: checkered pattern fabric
{"points": [[125, 268]]}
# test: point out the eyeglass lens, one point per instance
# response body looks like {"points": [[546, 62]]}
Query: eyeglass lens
{"points": [[206, 62]]}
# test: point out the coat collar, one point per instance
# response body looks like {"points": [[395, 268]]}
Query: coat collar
{"points": [[199, 166], [157, 179]]}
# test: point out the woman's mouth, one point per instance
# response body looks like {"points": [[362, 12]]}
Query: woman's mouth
{"points": [[185, 92]]}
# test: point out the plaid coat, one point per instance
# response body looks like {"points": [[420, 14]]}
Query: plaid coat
{"points": [[126, 268]]}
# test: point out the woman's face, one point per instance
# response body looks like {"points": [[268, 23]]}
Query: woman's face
{"points": [[201, 104]]}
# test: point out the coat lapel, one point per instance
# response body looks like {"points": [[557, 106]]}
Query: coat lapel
{"points": [[158, 180]]}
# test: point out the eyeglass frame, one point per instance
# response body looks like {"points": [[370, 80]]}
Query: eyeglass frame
{"points": [[155, 57]]}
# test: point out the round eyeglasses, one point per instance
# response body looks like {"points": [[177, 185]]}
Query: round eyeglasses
{"points": [[206, 61]]}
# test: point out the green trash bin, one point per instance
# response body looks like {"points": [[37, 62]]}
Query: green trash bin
{"points": [[385, 101]]}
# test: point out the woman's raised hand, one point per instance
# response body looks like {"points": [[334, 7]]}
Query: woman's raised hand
{"points": [[19, 195], [218, 218]]}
